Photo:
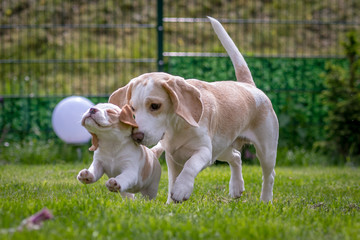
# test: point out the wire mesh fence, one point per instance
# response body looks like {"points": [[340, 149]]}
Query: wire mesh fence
{"points": [[53, 49]]}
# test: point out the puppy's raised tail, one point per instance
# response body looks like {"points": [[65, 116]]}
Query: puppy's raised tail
{"points": [[242, 71]]}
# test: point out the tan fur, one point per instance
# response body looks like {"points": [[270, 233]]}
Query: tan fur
{"points": [[243, 73], [185, 99], [226, 105], [94, 141], [127, 116], [145, 173], [263, 111], [119, 97]]}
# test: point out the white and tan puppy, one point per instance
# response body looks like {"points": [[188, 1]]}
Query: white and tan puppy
{"points": [[200, 122], [131, 168]]}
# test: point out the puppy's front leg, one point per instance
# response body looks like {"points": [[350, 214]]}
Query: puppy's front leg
{"points": [[123, 182], [184, 183], [92, 174]]}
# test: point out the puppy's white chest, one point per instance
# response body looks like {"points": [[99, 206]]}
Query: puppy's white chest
{"points": [[112, 166], [111, 169]]}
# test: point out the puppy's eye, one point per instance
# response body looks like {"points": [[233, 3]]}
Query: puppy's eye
{"points": [[155, 106], [132, 108]]}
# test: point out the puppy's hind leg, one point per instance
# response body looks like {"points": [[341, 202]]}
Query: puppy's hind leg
{"points": [[151, 190], [266, 149], [267, 159], [236, 185]]}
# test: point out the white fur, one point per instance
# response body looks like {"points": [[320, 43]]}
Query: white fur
{"points": [[119, 157]]}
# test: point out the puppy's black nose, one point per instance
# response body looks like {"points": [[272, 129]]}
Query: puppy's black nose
{"points": [[93, 110], [137, 137]]}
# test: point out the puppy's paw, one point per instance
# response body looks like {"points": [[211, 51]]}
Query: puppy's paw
{"points": [[85, 176], [236, 193], [236, 189], [181, 191], [113, 185]]}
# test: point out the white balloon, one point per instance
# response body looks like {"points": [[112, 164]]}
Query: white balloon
{"points": [[66, 120]]}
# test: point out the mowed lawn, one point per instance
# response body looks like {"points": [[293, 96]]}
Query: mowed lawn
{"points": [[309, 203]]}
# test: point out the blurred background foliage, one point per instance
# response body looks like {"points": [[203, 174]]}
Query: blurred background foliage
{"points": [[341, 99]]}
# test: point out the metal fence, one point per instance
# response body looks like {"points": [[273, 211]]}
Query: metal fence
{"points": [[52, 49]]}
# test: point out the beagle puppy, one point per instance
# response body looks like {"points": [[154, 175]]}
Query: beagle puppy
{"points": [[201, 122], [131, 167]]}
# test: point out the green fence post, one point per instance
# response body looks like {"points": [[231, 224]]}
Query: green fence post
{"points": [[160, 35]]}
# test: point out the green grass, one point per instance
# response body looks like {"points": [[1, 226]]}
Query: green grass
{"points": [[309, 203]]}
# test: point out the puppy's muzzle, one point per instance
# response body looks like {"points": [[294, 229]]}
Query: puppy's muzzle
{"points": [[137, 136]]}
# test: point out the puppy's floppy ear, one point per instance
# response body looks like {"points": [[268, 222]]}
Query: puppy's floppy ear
{"points": [[127, 116], [186, 100], [121, 96], [94, 141]]}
